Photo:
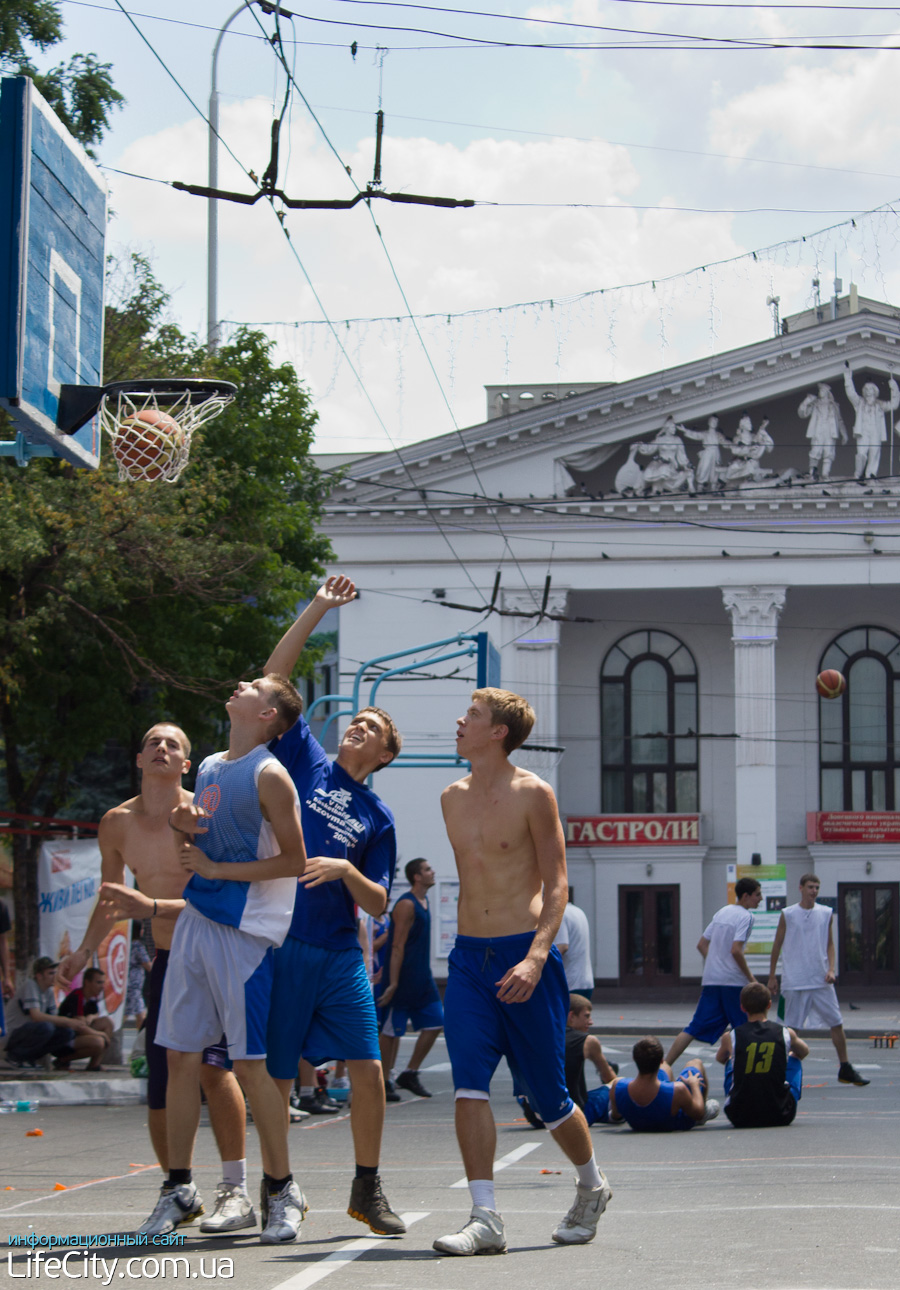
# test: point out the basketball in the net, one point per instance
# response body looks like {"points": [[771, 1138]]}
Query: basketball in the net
{"points": [[831, 684], [146, 443]]}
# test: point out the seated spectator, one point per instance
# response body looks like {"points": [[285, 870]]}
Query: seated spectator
{"points": [[763, 1075], [41, 1032], [581, 1046], [82, 1002], [654, 1101]]}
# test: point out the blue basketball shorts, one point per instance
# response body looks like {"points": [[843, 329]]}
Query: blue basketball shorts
{"points": [[596, 1108], [480, 1030], [394, 1021], [718, 1010], [322, 1008]]}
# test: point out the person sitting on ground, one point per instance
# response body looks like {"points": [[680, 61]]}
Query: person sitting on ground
{"points": [[41, 1031], [656, 1102], [83, 1002], [581, 1046], [763, 1075]]}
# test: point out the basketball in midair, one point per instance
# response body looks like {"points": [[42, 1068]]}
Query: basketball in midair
{"points": [[146, 443], [831, 684]]}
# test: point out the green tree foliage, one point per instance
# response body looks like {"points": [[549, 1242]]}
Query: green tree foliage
{"points": [[122, 604], [80, 91]]}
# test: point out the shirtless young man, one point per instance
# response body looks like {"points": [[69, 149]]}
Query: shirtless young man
{"points": [[507, 993], [136, 835]]}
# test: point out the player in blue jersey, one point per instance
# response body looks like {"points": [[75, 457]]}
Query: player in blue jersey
{"points": [[656, 1101], [409, 996], [248, 855], [352, 852]]}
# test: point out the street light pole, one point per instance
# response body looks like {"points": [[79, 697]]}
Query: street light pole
{"points": [[212, 216]]}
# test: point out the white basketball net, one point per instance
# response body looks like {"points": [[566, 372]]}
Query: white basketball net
{"points": [[540, 758], [151, 433]]}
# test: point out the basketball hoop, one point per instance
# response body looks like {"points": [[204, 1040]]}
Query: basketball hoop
{"points": [[539, 758], [150, 423]]}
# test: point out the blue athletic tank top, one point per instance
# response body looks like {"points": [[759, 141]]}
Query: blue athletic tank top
{"points": [[416, 986], [657, 1115], [237, 830]]}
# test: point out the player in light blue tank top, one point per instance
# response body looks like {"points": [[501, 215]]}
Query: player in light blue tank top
{"points": [[236, 830], [246, 823]]}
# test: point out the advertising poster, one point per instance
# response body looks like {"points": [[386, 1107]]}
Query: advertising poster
{"points": [[68, 883], [448, 897], [773, 878]]}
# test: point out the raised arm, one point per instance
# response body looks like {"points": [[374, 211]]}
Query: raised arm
{"points": [[337, 591]]}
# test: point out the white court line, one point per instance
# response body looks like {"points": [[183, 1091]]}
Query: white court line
{"points": [[441, 1066], [340, 1258], [505, 1161], [94, 1182]]}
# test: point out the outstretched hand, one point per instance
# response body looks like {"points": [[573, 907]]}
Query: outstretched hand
{"points": [[337, 591]]}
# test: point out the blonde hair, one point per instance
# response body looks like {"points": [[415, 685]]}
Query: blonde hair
{"points": [[510, 710]]}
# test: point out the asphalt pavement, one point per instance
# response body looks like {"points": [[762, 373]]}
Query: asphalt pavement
{"points": [[815, 1205]]}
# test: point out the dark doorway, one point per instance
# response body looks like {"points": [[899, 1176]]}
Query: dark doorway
{"points": [[868, 933], [648, 936]]}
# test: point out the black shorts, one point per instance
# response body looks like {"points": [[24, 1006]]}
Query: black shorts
{"points": [[157, 1057]]}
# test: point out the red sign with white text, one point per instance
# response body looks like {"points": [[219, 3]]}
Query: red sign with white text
{"points": [[853, 826], [632, 830]]}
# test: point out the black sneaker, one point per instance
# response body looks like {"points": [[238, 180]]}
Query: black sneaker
{"points": [[318, 1104], [847, 1074], [369, 1204], [390, 1093], [530, 1114], [411, 1082]]}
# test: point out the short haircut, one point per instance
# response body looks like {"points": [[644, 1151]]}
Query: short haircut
{"points": [[755, 997], [746, 887], [648, 1055], [393, 741], [510, 710], [286, 699], [578, 1003], [185, 742], [809, 877], [412, 868], [92, 973]]}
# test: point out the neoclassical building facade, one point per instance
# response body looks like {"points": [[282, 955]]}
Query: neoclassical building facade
{"points": [[664, 566]]}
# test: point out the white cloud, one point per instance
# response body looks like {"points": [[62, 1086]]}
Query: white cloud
{"points": [[831, 115]]}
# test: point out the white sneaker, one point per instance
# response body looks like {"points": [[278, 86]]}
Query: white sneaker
{"points": [[580, 1224], [284, 1214], [482, 1234], [233, 1210], [176, 1205], [711, 1111]]}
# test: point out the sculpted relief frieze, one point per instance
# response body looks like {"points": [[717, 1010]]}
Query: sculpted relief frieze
{"points": [[814, 443]]}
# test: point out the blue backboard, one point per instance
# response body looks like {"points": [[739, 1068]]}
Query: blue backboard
{"points": [[52, 265]]}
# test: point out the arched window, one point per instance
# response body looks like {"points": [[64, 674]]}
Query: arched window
{"points": [[858, 753], [648, 725]]}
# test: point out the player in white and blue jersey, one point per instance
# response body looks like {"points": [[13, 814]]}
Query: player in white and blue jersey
{"points": [[248, 855], [351, 843]]}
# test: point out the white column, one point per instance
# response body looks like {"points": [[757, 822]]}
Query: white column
{"points": [[754, 616], [530, 663]]}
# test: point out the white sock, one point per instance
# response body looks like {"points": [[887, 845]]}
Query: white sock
{"points": [[307, 1090], [482, 1192], [234, 1173], [588, 1173]]}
